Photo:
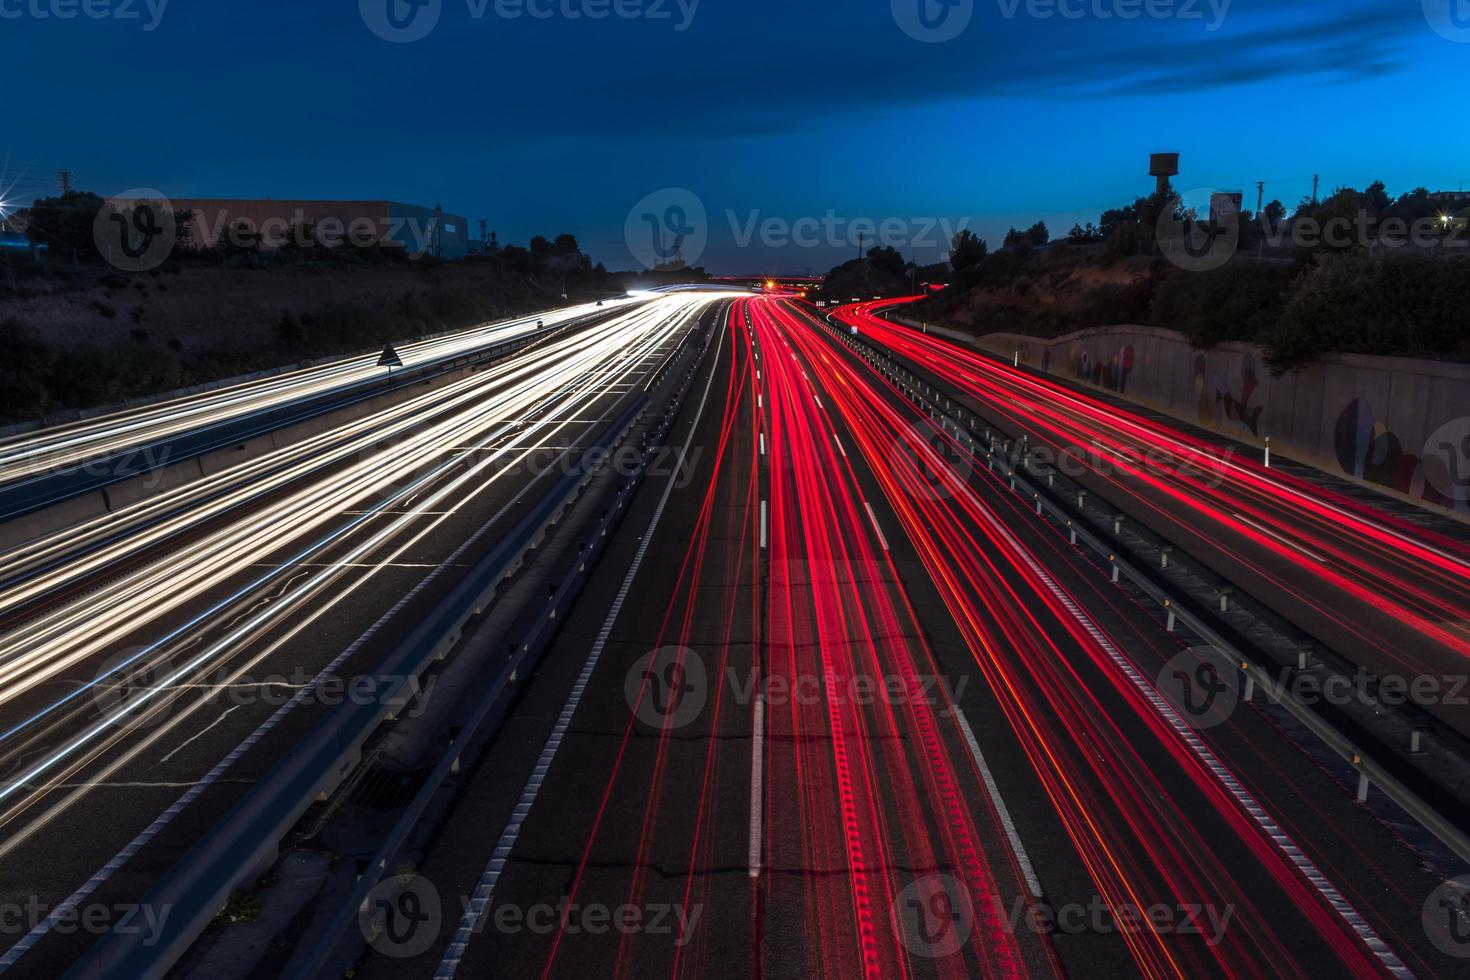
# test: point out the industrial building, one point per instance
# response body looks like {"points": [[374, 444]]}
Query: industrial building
{"points": [[417, 230]]}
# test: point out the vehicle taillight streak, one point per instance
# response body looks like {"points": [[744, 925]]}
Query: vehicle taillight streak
{"points": [[1117, 809]]}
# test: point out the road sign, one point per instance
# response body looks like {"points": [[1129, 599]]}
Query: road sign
{"points": [[390, 358]]}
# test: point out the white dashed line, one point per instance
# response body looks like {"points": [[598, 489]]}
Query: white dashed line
{"points": [[874, 518]]}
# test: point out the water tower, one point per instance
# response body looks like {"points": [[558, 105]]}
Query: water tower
{"points": [[1162, 166]]}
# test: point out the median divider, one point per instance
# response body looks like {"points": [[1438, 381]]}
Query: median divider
{"points": [[540, 628]]}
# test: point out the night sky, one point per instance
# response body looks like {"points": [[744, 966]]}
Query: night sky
{"points": [[763, 109]]}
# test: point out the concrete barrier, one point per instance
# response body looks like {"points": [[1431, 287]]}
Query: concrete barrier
{"points": [[1400, 424]]}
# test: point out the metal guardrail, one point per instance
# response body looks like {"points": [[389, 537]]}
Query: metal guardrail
{"points": [[528, 651], [1414, 793], [244, 842], [31, 494], [72, 416], [1419, 723]]}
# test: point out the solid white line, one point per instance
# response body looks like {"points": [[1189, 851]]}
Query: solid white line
{"points": [[874, 518], [474, 909], [839, 445], [763, 443], [1282, 538], [1243, 797], [757, 784], [1017, 848], [763, 524]]}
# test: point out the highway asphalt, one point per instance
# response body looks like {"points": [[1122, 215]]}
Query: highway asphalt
{"points": [[228, 599], [645, 813]]}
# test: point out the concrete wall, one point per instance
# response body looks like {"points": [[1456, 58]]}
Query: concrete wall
{"points": [[1400, 423]]}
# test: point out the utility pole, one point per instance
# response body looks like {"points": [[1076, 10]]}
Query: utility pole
{"points": [[1260, 196], [1315, 179], [861, 239], [65, 176]]}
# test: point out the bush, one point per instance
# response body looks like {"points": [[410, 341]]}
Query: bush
{"points": [[1396, 305], [1241, 301]]}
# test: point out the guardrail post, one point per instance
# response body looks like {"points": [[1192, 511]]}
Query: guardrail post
{"points": [[1164, 554], [1416, 741], [1117, 524], [1081, 499], [1073, 530], [1363, 785], [1173, 622], [1250, 688], [1113, 560], [1305, 652], [1226, 592]]}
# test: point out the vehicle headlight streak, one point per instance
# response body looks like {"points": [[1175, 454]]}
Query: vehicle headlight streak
{"points": [[857, 784], [571, 373], [57, 448]]}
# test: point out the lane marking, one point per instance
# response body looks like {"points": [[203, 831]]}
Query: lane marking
{"points": [[68, 908], [763, 524], [874, 518], [757, 784], [1282, 538], [763, 443], [839, 445], [479, 901], [1243, 797], [1033, 883]]}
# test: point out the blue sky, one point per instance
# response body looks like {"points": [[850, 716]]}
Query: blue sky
{"points": [[827, 110]]}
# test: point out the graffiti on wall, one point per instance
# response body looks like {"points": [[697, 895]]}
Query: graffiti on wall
{"points": [[1217, 403], [1112, 374], [1230, 392], [1367, 449]]}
